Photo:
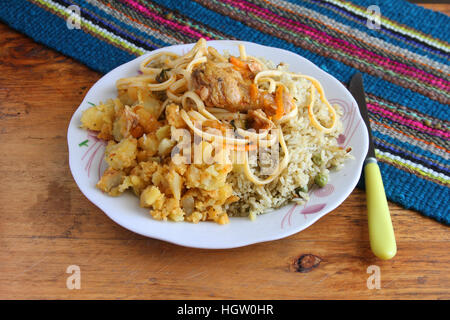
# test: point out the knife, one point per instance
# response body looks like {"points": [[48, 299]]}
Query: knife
{"points": [[381, 232]]}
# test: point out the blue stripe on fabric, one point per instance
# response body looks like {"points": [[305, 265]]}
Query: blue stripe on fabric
{"points": [[413, 16], [412, 148], [417, 195], [27, 18], [341, 71], [326, 9], [131, 30]]}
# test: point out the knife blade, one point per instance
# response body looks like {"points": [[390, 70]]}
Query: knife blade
{"points": [[381, 232], [356, 88]]}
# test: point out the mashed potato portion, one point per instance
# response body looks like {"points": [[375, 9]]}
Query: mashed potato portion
{"points": [[139, 158]]}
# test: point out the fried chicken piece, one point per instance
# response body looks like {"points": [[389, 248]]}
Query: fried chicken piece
{"points": [[227, 88], [221, 87]]}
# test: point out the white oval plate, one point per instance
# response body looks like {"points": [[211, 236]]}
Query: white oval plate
{"points": [[87, 164]]}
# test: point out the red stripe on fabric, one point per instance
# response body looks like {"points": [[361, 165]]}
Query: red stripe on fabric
{"points": [[411, 123], [185, 29]]}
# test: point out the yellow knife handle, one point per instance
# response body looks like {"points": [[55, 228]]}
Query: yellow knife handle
{"points": [[381, 232]]}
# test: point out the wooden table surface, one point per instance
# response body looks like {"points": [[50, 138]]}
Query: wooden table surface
{"points": [[47, 224]]}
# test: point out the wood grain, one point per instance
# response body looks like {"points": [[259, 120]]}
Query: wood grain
{"points": [[47, 224]]}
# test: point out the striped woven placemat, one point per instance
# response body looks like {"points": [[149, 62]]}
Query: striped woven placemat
{"points": [[404, 59]]}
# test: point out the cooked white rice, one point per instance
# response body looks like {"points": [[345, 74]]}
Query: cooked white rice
{"points": [[303, 141]]}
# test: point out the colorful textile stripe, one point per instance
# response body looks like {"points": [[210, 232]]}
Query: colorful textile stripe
{"points": [[405, 62]]}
